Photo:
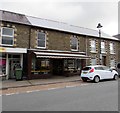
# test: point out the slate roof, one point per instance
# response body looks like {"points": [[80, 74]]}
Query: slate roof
{"points": [[117, 36], [45, 23], [50, 24], [13, 17]]}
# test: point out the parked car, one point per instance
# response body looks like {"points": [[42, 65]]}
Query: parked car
{"points": [[97, 73], [118, 68]]}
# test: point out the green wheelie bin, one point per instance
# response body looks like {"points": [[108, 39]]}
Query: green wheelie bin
{"points": [[18, 74]]}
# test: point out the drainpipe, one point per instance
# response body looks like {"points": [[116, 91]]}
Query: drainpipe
{"points": [[29, 46], [86, 47], [29, 55]]}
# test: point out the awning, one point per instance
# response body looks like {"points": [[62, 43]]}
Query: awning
{"points": [[61, 55]]}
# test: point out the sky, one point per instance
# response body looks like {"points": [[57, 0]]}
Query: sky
{"points": [[83, 13]]}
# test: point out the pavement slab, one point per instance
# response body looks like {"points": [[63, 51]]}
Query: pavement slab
{"points": [[13, 87], [28, 89], [57, 79]]}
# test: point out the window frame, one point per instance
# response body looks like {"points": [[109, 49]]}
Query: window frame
{"points": [[93, 51], [39, 39], [93, 61], [10, 36], [112, 63], [103, 50], [112, 51], [75, 37]]}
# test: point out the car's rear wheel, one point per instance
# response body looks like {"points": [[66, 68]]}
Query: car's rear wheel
{"points": [[84, 79], [115, 77], [96, 79]]}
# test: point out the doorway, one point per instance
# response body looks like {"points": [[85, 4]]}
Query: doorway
{"points": [[104, 60], [57, 66], [14, 60], [13, 63]]}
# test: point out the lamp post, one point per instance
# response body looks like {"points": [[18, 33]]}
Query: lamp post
{"points": [[99, 26]]}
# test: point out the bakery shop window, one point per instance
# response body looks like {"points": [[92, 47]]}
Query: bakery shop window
{"points": [[40, 66]]}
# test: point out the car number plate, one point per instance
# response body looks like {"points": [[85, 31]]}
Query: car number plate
{"points": [[85, 72]]}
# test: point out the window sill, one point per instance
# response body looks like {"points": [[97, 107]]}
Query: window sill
{"points": [[41, 47], [74, 50], [6, 45], [103, 52], [112, 53], [93, 51]]}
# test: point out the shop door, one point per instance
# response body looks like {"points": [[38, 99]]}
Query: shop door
{"points": [[13, 63], [57, 65]]}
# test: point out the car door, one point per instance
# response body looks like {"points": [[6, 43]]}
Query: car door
{"points": [[107, 72], [99, 71]]}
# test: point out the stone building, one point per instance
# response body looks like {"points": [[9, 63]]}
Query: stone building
{"points": [[44, 48], [118, 36]]}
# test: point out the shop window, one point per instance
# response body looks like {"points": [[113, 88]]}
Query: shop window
{"points": [[93, 46], [40, 66], [41, 40], [7, 36], [74, 43], [3, 64], [72, 65]]}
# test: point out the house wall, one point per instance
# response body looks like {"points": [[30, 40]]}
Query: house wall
{"points": [[96, 54], [89, 53], [118, 47], [22, 39], [57, 40], [21, 34]]}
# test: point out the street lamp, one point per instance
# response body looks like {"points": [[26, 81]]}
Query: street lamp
{"points": [[99, 26]]}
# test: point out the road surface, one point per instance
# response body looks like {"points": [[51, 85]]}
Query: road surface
{"points": [[101, 96]]}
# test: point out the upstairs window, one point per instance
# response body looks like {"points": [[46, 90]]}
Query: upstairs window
{"points": [[111, 48], [103, 47], [112, 63], [7, 35], [41, 40], [93, 46], [74, 43], [93, 61]]}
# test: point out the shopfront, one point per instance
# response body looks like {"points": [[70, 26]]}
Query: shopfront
{"points": [[48, 64], [11, 58]]}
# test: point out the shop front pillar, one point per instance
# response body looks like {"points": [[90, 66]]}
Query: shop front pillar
{"points": [[83, 63], [29, 64], [7, 67]]}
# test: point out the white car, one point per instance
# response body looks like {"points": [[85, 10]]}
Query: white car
{"points": [[97, 73]]}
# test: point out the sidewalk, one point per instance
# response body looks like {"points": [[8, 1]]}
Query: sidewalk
{"points": [[24, 83]]}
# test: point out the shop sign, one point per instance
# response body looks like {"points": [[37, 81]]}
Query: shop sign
{"points": [[2, 49], [13, 50]]}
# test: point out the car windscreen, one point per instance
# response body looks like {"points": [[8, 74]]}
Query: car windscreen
{"points": [[86, 68]]}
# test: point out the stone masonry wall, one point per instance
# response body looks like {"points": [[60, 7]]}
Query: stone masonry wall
{"points": [[21, 34], [57, 40], [107, 54]]}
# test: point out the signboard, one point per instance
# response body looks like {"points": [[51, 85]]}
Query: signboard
{"points": [[13, 50], [2, 49]]}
